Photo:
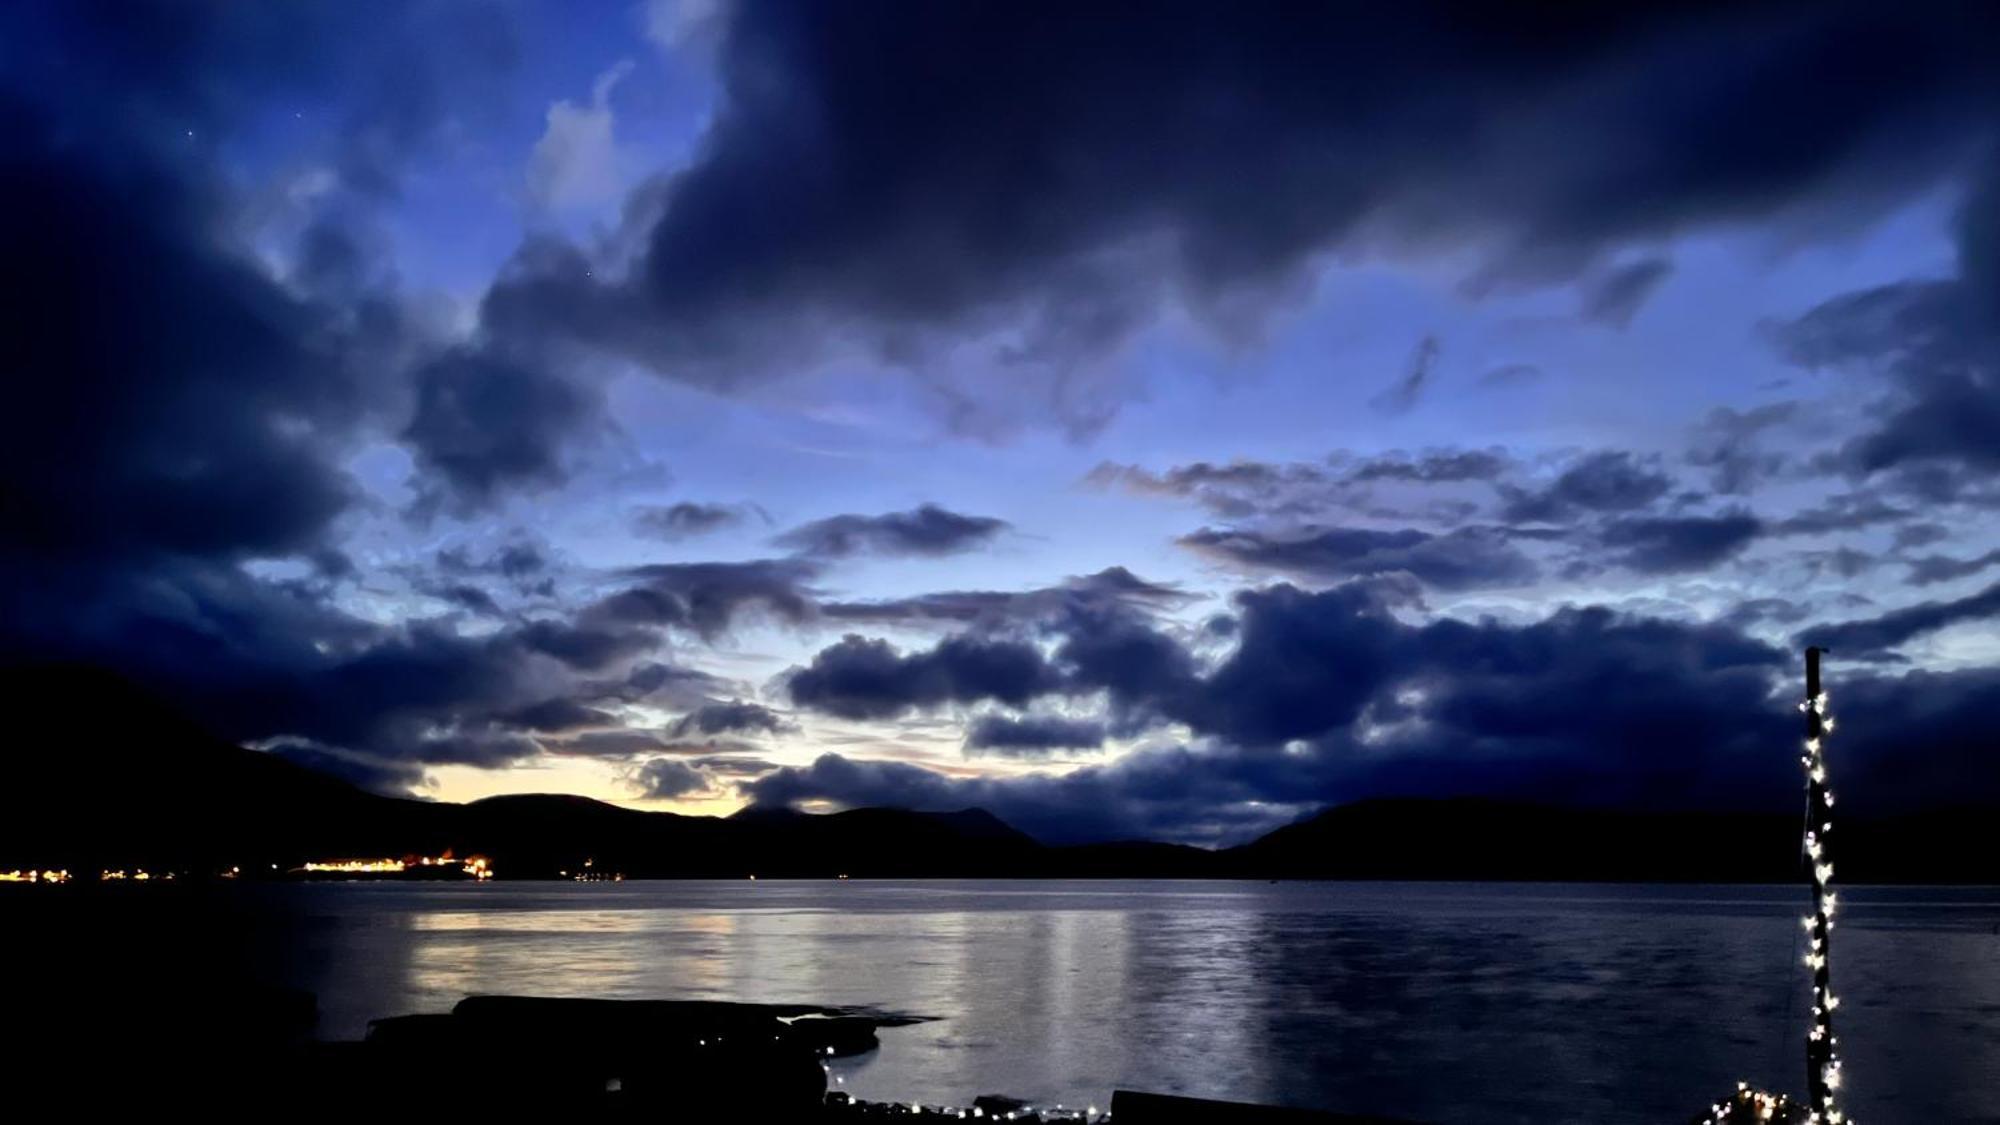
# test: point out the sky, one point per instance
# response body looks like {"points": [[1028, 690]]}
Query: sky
{"points": [[1151, 420]]}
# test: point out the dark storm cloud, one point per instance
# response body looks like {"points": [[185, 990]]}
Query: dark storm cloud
{"points": [[181, 407], [1237, 490], [1924, 534], [469, 598], [1436, 488], [206, 421], [556, 715], [1615, 297], [925, 530], [1935, 427], [1841, 513], [1731, 444], [1302, 492], [586, 648], [1877, 637], [486, 425], [670, 684], [708, 598], [1031, 736], [1438, 466], [1672, 544], [736, 766], [688, 519], [1843, 561], [868, 679], [726, 717], [622, 743], [667, 778], [1052, 176], [1330, 697], [519, 561], [522, 565], [1456, 560], [388, 777], [1607, 481], [670, 778], [1779, 611], [1584, 707], [1111, 587], [1404, 394], [1932, 569]]}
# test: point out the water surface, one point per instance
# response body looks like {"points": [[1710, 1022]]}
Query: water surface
{"points": [[1438, 1002]]}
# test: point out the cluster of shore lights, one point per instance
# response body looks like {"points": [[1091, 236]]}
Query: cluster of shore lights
{"points": [[33, 876], [106, 875], [477, 867], [1821, 1043]]}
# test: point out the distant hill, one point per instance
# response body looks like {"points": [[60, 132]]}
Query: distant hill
{"points": [[101, 773], [1476, 839], [127, 781]]}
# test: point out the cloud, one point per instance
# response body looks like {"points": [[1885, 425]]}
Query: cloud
{"points": [[486, 425], [1730, 444], [1075, 194], [1614, 297], [664, 779], [723, 718], [621, 743], [926, 531], [1606, 481], [175, 432], [671, 24], [1672, 544], [1395, 485], [1942, 568], [707, 598], [1399, 398], [1935, 427], [1583, 707], [1462, 559], [1111, 587], [1841, 513], [1876, 637], [388, 777], [524, 566], [1031, 736], [688, 519], [576, 161], [667, 779], [557, 715], [1329, 697], [868, 679]]}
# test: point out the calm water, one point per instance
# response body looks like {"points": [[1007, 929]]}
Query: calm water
{"points": [[1446, 1003]]}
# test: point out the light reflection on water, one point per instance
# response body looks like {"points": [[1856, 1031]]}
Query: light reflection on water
{"points": [[1437, 1002]]}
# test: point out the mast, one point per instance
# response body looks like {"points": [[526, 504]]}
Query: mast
{"points": [[1822, 1058]]}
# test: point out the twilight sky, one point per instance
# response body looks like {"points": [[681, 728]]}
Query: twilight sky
{"points": [[1149, 420]]}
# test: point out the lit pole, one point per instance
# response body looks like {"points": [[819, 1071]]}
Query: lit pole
{"points": [[1822, 1059]]}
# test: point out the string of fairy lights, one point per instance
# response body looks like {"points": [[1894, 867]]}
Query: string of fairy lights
{"points": [[1822, 1045], [1823, 1075]]}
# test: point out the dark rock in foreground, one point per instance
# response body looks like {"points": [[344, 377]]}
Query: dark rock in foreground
{"points": [[613, 1058]]}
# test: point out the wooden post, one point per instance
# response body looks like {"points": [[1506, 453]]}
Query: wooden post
{"points": [[1822, 1060]]}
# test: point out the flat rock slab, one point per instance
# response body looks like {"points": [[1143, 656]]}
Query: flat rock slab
{"points": [[1130, 1107]]}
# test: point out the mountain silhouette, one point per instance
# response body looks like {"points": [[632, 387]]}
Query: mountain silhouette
{"points": [[128, 781]]}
